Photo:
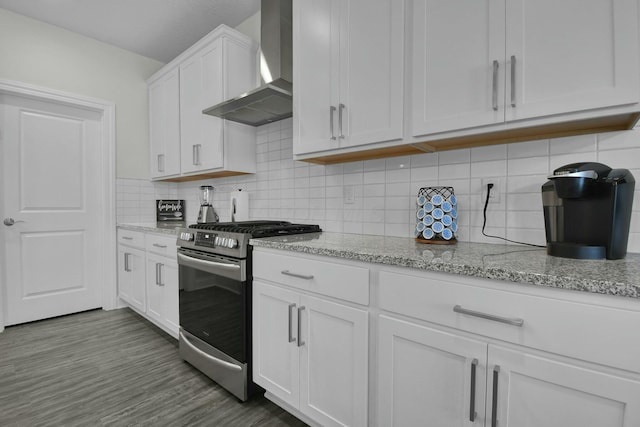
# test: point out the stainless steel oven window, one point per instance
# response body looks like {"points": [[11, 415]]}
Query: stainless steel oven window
{"points": [[214, 301]]}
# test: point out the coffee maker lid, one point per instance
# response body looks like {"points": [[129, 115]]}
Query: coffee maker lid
{"points": [[591, 170]]}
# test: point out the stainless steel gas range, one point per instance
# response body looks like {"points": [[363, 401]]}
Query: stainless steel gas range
{"points": [[214, 261]]}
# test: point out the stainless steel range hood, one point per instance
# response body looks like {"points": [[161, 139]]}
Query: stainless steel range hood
{"points": [[273, 100]]}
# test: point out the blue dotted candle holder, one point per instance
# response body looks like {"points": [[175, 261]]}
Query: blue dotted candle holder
{"points": [[436, 216]]}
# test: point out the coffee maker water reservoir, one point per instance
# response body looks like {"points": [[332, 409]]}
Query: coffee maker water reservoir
{"points": [[587, 211]]}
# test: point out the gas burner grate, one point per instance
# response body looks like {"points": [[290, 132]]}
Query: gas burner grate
{"points": [[259, 228]]}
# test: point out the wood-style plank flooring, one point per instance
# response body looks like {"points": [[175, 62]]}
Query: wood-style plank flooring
{"points": [[113, 368]]}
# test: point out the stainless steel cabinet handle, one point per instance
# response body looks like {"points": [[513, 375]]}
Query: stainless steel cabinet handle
{"points": [[494, 402], [291, 337], [127, 238], [159, 246], [494, 101], [159, 274], [508, 320], [472, 400], [332, 110], [10, 221], [300, 342], [513, 80], [300, 276], [126, 262], [160, 162], [196, 154], [341, 108]]}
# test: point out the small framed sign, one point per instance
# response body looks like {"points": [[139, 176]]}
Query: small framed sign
{"points": [[170, 210]]}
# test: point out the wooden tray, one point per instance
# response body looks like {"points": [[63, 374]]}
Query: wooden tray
{"points": [[437, 242]]}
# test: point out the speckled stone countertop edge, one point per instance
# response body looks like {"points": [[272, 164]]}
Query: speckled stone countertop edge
{"points": [[568, 282], [152, 228]]}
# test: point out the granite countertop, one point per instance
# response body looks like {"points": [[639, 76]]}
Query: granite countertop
{"points": [[152, 227], [520, 264]]}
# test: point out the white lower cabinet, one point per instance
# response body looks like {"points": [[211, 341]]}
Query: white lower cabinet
{"points": [[444, 349], [532, 390], [477, 356], [429, 377], [131, 276], [311, 354], [162, 291], [148, 277], [433, 377]]}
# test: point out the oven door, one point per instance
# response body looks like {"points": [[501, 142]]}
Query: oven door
{"points": [[214, 300]]}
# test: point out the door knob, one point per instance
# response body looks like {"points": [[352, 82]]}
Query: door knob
{"points": [[10, 221]]}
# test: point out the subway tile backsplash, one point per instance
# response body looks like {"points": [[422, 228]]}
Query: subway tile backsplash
{"points": [[378, 196]]}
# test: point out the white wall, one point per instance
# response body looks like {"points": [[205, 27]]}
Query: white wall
{"points": [[385, 190], [251, 27], [45, 55]]}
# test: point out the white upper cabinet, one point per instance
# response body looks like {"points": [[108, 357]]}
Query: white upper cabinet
{"points": [[220, 66], [570, 56], [456, 46], [472, 67], [164, 125], [348, 73]]}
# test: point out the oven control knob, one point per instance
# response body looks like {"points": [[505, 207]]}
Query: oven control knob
{"points": [[186, 236], [232, 243]]}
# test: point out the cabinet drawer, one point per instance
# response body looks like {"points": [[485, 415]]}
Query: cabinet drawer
{"points": [[131, 238], [576, 329], [161, 245], [341, 281]]}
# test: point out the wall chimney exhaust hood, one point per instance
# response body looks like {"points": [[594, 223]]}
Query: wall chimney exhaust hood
{"points": [[273, 100]]}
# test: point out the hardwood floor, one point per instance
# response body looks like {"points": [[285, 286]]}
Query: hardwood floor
{"points": [[113, 368]]}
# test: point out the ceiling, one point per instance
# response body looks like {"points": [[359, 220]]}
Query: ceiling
{"points": [[158, 29]]}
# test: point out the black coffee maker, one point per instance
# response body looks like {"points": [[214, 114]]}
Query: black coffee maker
{"points": [[587, 211]]}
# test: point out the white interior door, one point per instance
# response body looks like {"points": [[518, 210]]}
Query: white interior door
{"points": [[51, 163]]}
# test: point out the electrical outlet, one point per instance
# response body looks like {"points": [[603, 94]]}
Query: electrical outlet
{"points": [[496, 190], [349, 194]]}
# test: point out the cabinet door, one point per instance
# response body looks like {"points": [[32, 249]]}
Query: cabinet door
{"points": [[315, 73], [201, 86], [169, 279], [155, 293], [275, 350], [164, 125], [131, 277], [162, 292], [455, 46], [533, 391], [333, 363], [371, 71], [570, 56], [426, 376]]}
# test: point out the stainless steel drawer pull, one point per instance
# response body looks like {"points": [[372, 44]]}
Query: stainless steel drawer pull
{"points": [[159, 246], [300, 342], [291, 337], [513, 80], [341, 108], [494, 397], [127, 238], [494, 101], [508, 320], [472, 402], [300, 276], [332, 110]]}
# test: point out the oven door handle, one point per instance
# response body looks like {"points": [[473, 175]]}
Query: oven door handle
{"points": [[223, 268], [208, 356]]}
